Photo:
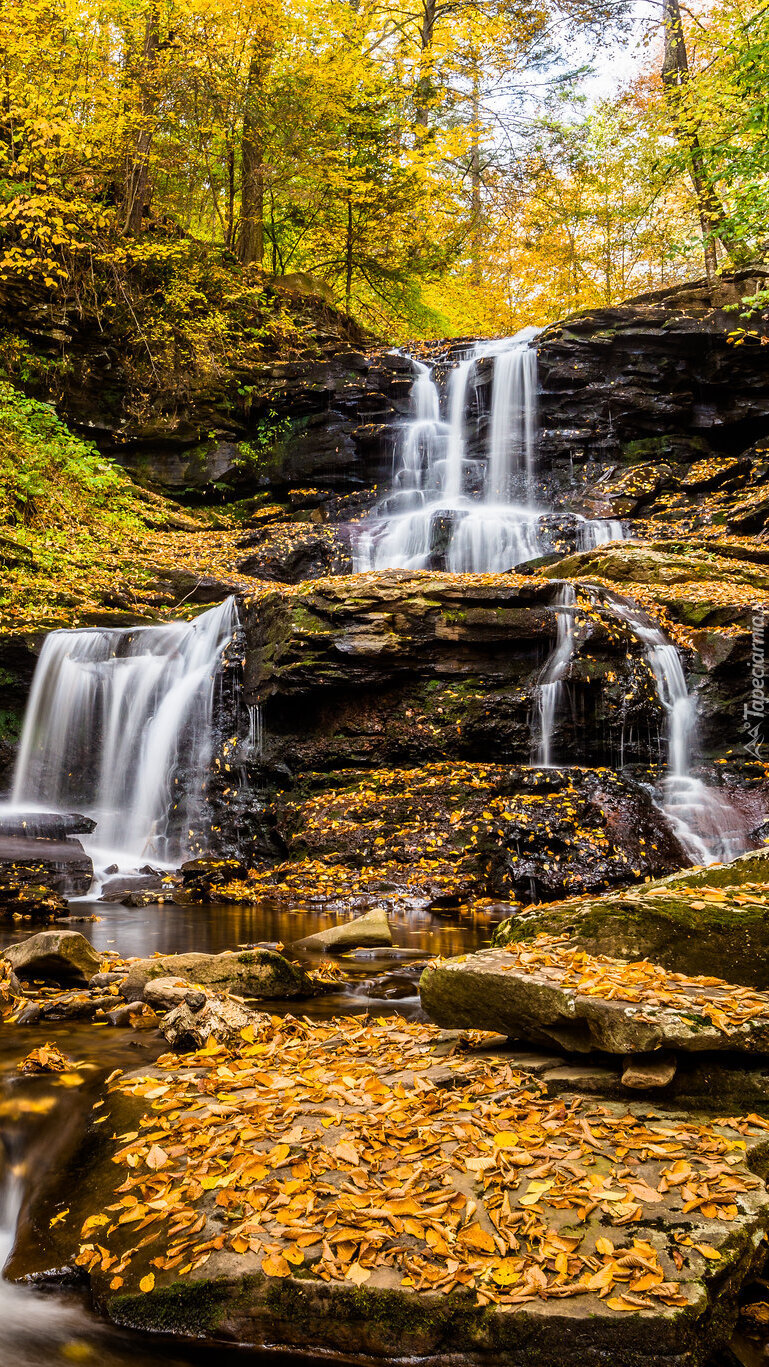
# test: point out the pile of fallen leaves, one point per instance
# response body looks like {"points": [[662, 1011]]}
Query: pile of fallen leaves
{"points": [[387, 1153], [458, 830], [554, 957], [47, 1059]]}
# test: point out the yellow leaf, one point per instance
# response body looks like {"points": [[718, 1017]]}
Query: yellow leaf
{"points": [[505, 1274], [506, 1139], [275, 1266], [147, 1283]]}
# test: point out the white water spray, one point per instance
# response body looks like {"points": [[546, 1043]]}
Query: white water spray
{"points": [[550, 687], [473, 515], [706, 824], [119, 725]]}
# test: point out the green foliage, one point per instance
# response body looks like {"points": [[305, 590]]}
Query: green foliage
{"points": [[65, 512]]}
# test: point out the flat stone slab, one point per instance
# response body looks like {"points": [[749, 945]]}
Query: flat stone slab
{"points": [[46, 825], [385, 1190], [60, 864], [552, 992]]}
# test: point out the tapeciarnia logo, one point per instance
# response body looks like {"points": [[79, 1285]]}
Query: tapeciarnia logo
{"points": [[755, 709]]}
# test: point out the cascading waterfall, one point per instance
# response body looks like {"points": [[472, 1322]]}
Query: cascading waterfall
{"points": [[598, 532], [513, 436], [119, 726], [550, 687], [706, 824], [473, 515]]}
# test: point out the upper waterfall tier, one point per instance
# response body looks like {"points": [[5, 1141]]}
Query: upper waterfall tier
{"points": [[120, 725], [454, 510]]}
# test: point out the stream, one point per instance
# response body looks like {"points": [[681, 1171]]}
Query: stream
{"points": [[45, 1326]]}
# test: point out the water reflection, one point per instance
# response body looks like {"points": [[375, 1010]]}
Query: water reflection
{"points": [[418, 935]]}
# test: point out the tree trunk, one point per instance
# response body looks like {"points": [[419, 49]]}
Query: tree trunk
{"points": [[476, 224], [424, 86], [348, 272], [251, 243], [136, 191], [675, 77], [229, 229]]}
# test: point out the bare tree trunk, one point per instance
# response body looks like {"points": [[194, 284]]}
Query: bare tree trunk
{"points": [[251, 243], [136, 191], [229, 228], [675, 77], [348, 255], [476, 222], [424, 86]]}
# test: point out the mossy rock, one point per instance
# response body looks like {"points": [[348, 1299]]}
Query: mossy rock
{"points": [[680, 922]]}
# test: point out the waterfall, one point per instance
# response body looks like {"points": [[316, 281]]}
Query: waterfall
{"points": [[703, 819], [448, 509], [454, 473], [598, 531], [255, 731], [119, 725], [512, 446], [550, 687]]}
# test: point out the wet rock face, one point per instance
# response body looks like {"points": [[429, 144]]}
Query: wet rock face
{"points": [[658, 365], [407, 668], [18, 657]]}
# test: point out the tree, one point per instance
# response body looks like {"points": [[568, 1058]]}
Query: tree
{"points": [[676, 79]]}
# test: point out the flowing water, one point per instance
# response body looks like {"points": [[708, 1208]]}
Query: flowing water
{"points": [[551, 686], [119, 726], [706, 824], [467, 513]]}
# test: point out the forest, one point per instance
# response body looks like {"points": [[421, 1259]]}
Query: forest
{"points": [[446, 166], [384, 686]]}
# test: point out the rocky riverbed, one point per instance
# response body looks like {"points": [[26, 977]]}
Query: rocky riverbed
{"points": [[413, 1026]]}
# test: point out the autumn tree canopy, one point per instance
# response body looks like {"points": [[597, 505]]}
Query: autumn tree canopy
{"points": [[432, 164]]}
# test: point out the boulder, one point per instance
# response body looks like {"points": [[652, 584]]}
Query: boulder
{"points": [[163, 994], [248, 973], [710, 921], [220, 1018], [551, 993], [60, 956], [120, 887], [365, 932]]}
